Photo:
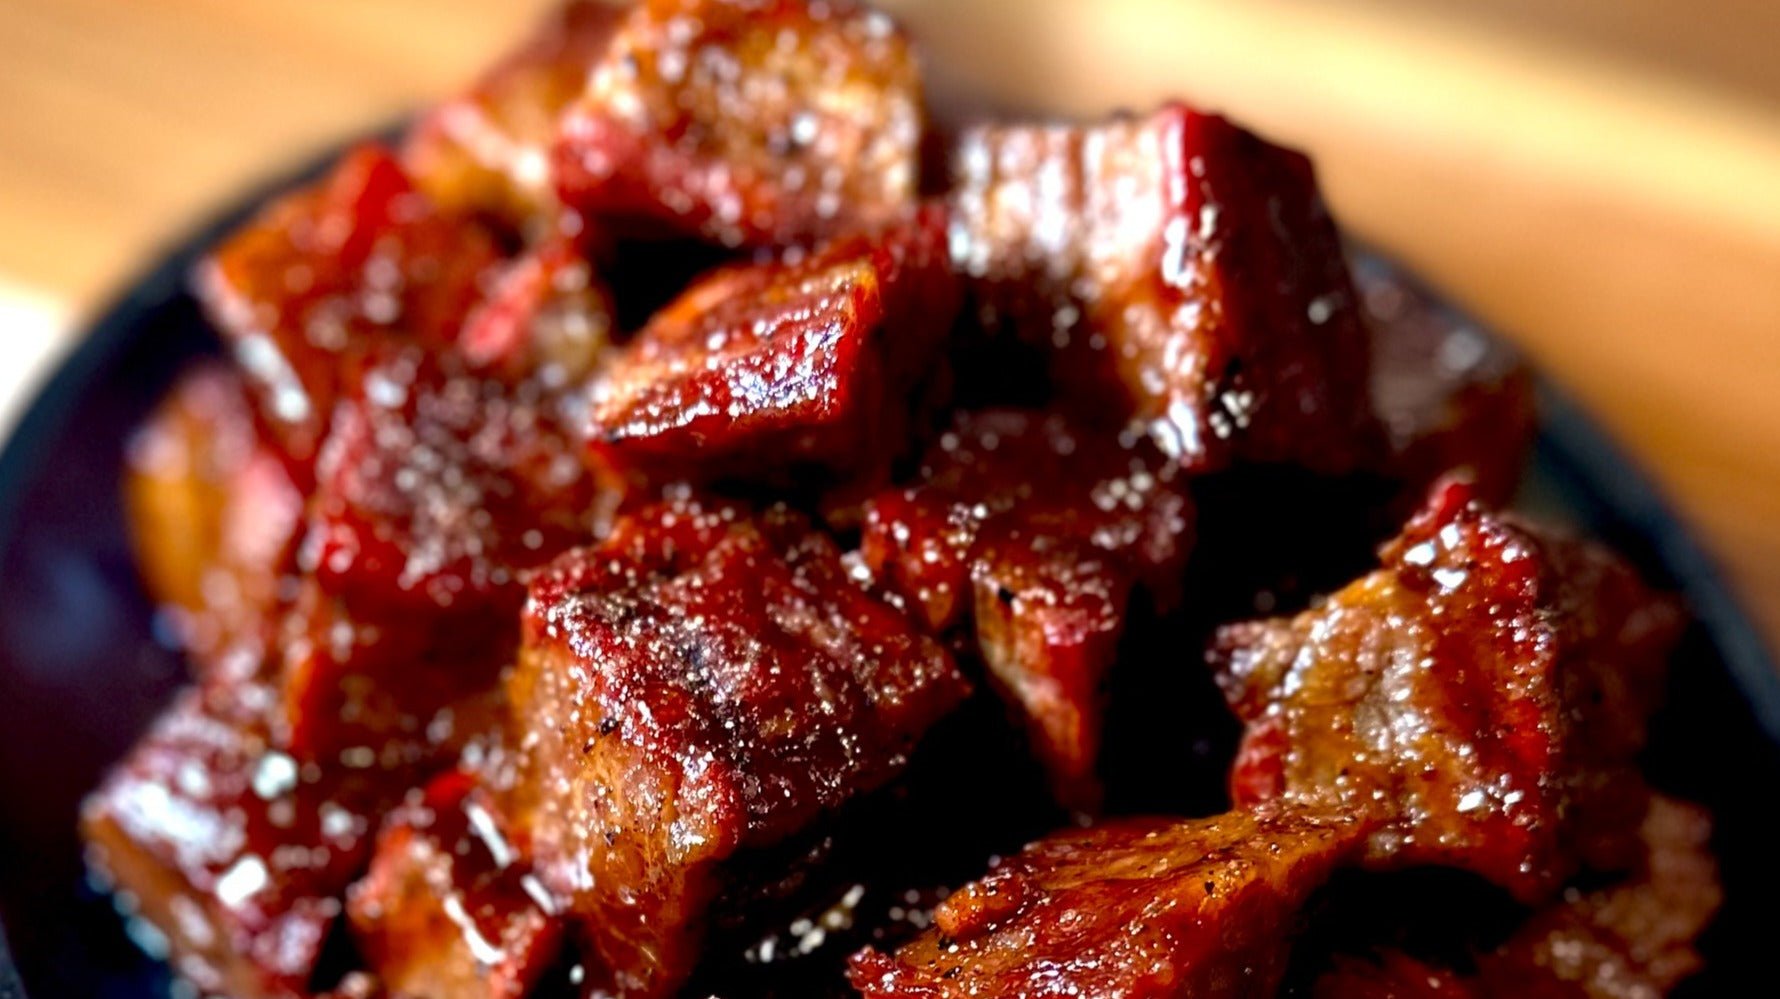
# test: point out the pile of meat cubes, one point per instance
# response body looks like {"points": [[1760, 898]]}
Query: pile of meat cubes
{"points": [[680, 522]]}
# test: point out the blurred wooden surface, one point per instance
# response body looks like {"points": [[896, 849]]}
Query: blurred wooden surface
{"points": [[1598, 178]]}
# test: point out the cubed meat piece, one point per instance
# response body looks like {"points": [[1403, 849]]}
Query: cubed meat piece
{"points": [[1636, 938], [1485, 691], [1136, 908], [331, 271], [214, 516], [433, 492], [1632, 939], [1036, 531], [487, 151], [450, 907], [234, 851], [747, 123], [548, 320], [400, 685], [1183, 274], [1452, 400], [798, 366], [701, 686]]}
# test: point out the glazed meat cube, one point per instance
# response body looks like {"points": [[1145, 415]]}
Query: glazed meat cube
{"points": [[488, 151], [548, 320], [804, 363], [1485, 692], [702, 685], [747, 123], [1137, 908], [400, 685], [1631, 939], [1451, 400], [214, 516], [434, 494], [237, 853], [1635, 938], [332, 271], [1183, 274], [435, 491], [449, 907], [1037, 531]]}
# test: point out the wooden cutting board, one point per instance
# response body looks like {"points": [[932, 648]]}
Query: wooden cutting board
{"points": [[1600, 180]]}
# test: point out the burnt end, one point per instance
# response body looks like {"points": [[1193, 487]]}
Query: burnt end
{"points": [[1485, 692], [235, 851], [214, 516], [1135, 908], [548, 322], [801, 365], [1031, 533], [1452, 400], [703, 684], [434, 492], [487, 151], [1184, 275], [330, 272], [450, 906], [1633, 938], [749, 124]]}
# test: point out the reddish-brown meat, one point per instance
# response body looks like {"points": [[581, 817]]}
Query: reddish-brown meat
{"points": [[748, 123], [548, 320], [1138, 908], [1452, 400], [213, 515], [803, 363], [450, 907], [1630, 940], [1036, 530], [701, 684], [1182, 272], [1485, 692], [488, 150], [329, 272], [1633, 940], [236, 852]]}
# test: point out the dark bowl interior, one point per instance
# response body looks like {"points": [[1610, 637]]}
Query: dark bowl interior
{"points": [[82, 668]]}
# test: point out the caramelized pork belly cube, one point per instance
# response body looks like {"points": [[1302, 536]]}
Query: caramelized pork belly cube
{"points": [[435, 493], [1485, 692], [402, 685], [1636, 938], [1182, 272], [702, 686], [747, 123], [213, 514], [1132, 908], [1037, 531], [449, 907], [487, 151], [435, 490], [330, 271], [547, 320], [798, 366], [234, 851], [1452, 400]]}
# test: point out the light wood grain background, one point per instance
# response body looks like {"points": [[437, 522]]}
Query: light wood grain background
{"points": [[1598, 178]]}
